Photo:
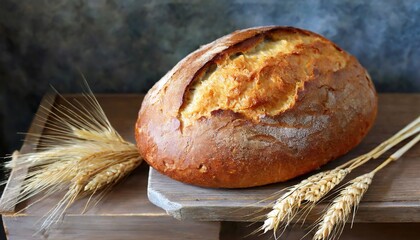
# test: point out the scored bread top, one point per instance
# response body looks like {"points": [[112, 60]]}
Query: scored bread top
{"points": [[261, 76], [257, 106]]}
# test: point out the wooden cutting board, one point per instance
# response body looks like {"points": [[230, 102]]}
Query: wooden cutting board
{"points": [[394, 195]]}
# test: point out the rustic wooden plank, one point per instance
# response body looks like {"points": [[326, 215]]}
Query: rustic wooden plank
{"points": [[125, 212], [394, 195], [359, 231], [9, 197], [113, 227]]}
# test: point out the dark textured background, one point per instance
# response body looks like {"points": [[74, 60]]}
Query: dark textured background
{"points": [[126, 46]]}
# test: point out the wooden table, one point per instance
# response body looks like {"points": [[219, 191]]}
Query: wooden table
{"points": [[126, 213]]}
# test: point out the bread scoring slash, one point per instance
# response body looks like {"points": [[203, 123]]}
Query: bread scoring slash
{"points": [[257, 106]]}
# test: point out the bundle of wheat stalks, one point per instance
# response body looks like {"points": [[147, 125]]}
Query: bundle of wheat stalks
{"points": [[82, 155], [302, 197]]}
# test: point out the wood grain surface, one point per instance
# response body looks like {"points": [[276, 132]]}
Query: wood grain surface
{"points": [[360, 231], [9, 198], [394, 195]]}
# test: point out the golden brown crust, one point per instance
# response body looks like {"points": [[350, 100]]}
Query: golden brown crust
{"points": [[333, 109]]}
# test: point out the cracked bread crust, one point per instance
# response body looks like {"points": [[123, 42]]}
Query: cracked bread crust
{"points": [[230, 116]]}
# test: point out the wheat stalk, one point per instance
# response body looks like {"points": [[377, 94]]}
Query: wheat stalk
{"points": [[333, 221], [338, 213], [306, 193], [83, 155], [284, 209], [112, 174], [320, 188], [310, 191]]}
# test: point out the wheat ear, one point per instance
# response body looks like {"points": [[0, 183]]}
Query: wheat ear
{"points": [[307, 192], [337, 214], [333, 221], [310, 191], [112, 174], [82, 155]]}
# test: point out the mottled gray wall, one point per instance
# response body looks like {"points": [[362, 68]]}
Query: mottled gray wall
{"points": [[127, 45]]}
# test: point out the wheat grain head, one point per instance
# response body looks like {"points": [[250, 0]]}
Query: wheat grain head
{"points": [[334, 219], [305, 194]]}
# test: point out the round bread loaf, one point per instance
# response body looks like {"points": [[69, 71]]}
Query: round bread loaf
{"points": [[257, 106]]}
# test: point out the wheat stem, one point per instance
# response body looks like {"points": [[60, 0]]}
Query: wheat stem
{"points": [[385, 146], [395, 156]]}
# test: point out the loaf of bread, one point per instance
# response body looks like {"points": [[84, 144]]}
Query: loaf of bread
{"points": [[257, 106]]}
